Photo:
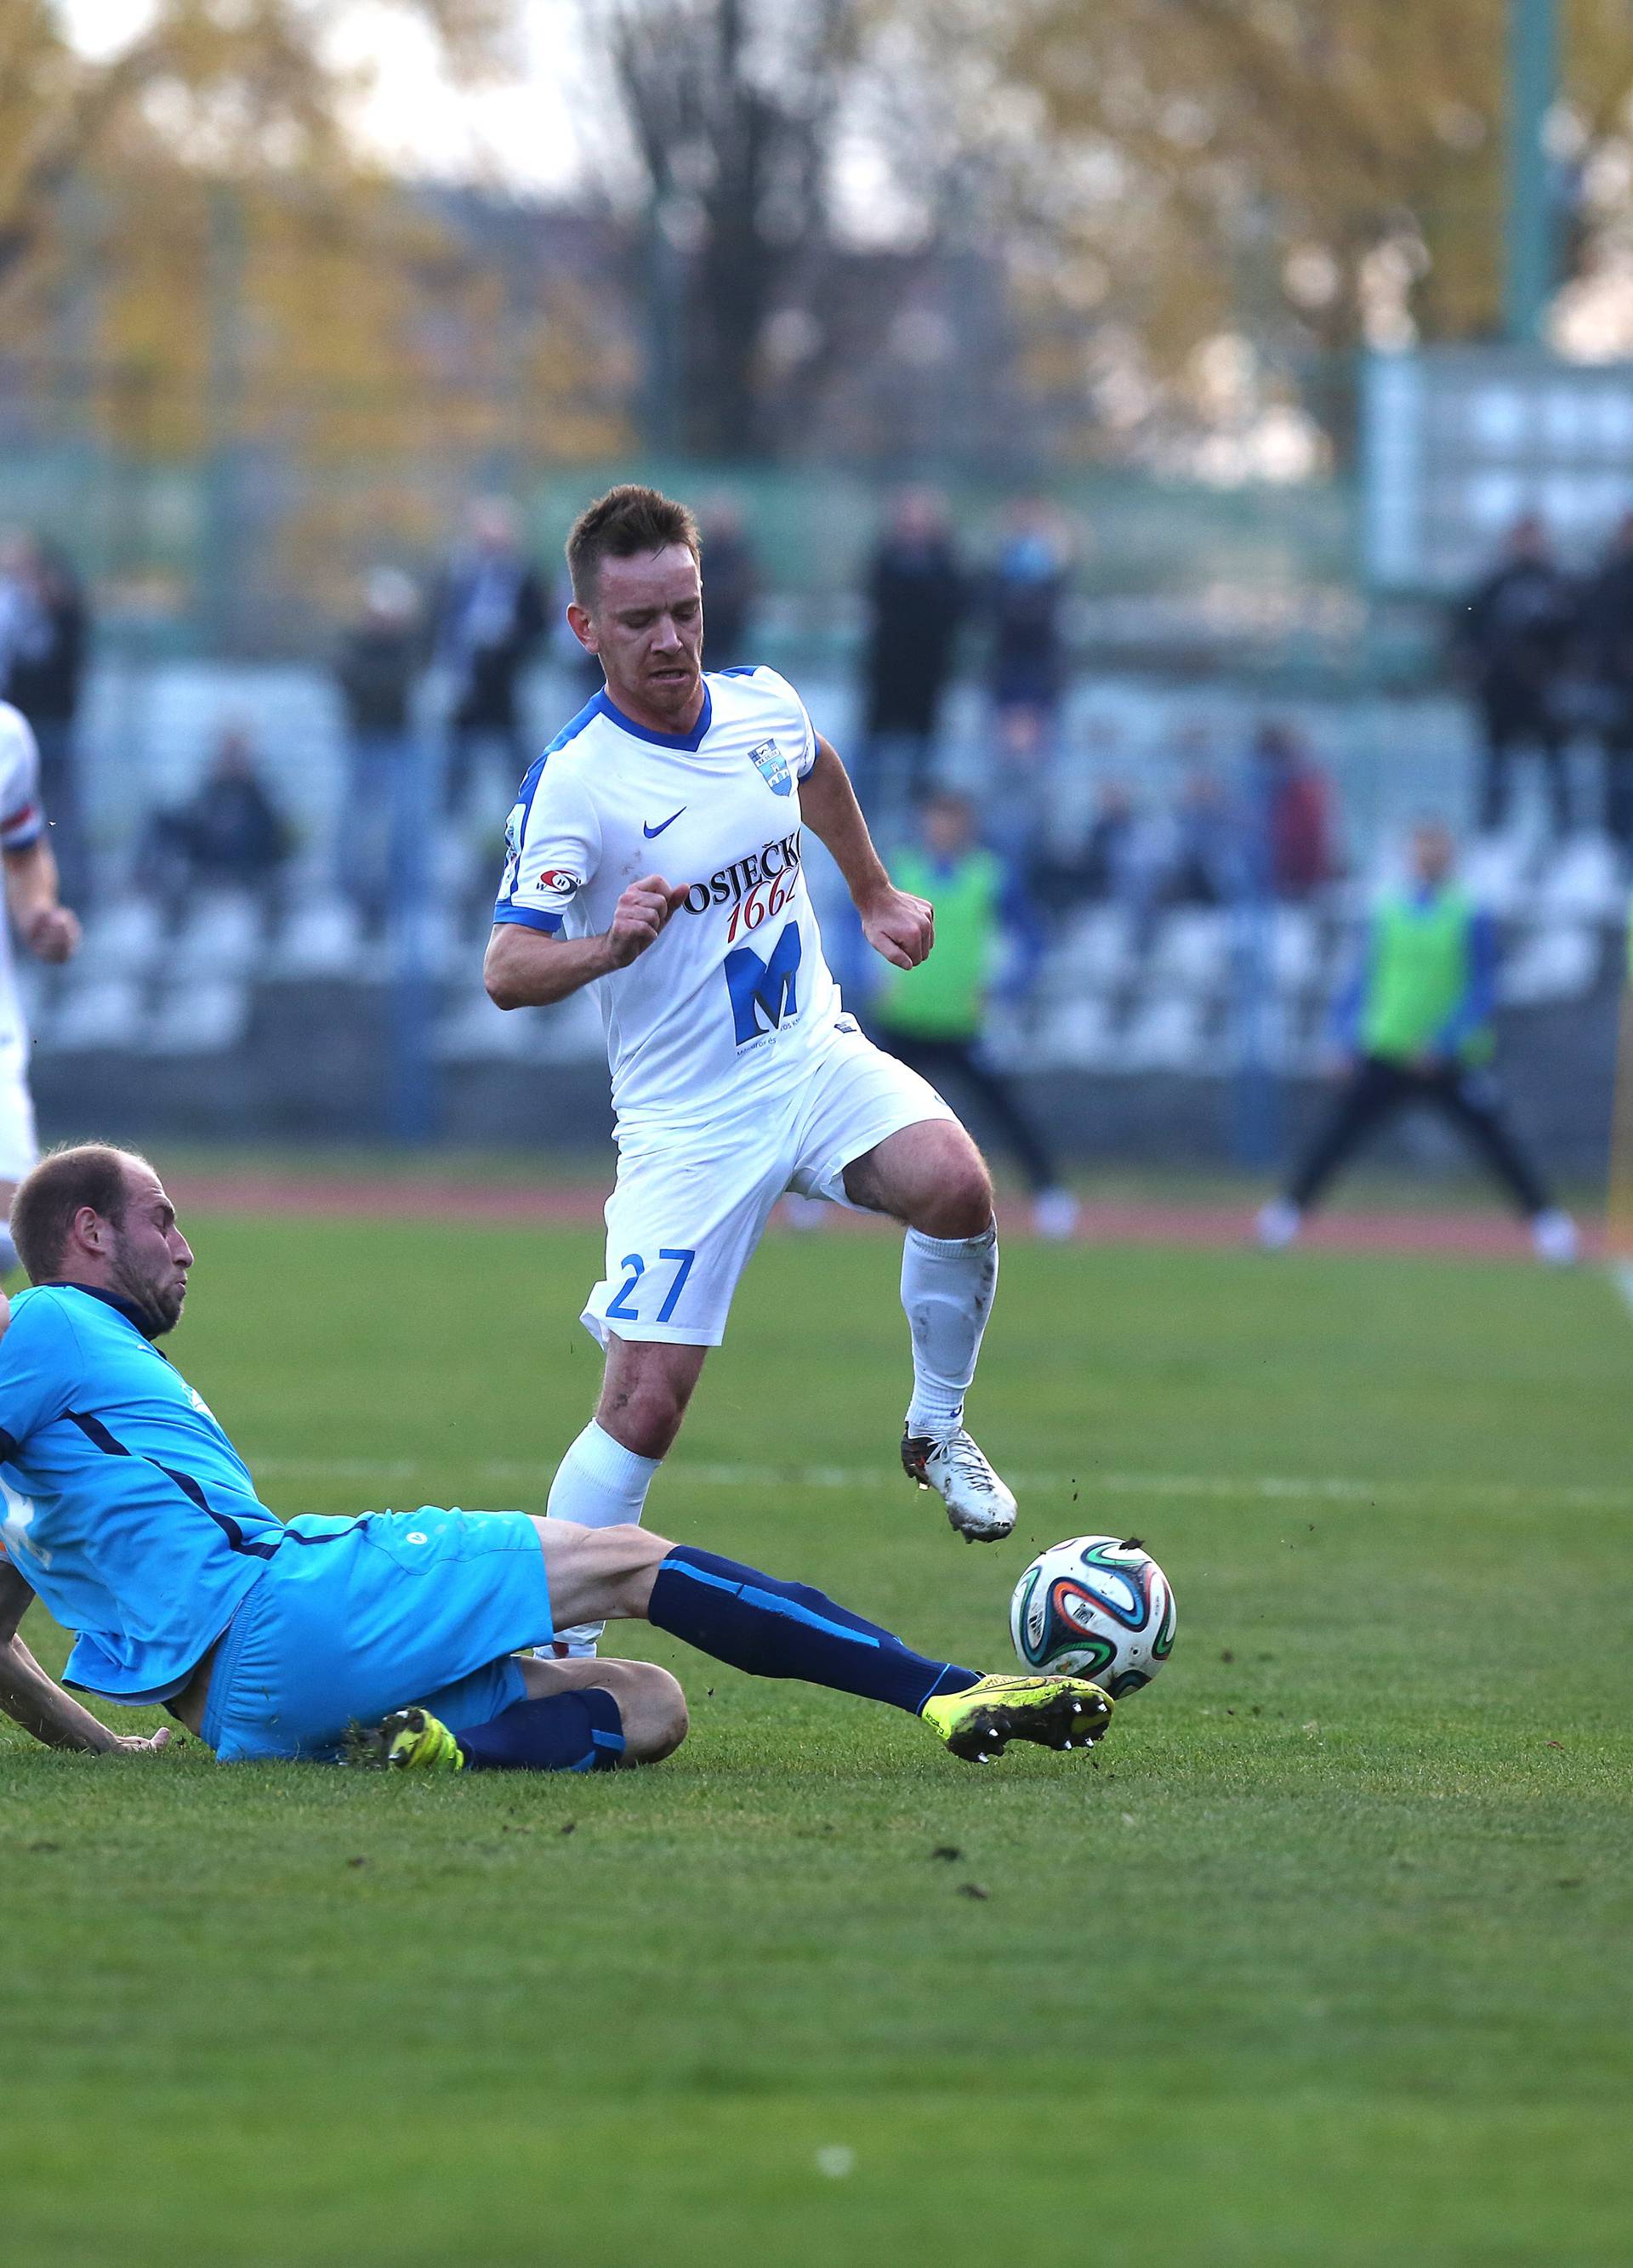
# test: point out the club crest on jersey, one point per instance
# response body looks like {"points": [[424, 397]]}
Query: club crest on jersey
{"points": [[772, 767]]}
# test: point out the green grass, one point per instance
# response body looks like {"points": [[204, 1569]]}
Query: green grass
{"points": [[1324, 1960]]}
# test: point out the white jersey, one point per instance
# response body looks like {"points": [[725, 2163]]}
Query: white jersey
{"points": [[734, 998], [21, 822]]}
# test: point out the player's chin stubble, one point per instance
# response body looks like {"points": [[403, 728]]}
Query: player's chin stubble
{"points": [[159, 1302]]}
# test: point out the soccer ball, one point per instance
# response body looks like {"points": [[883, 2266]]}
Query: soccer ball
{"points": [[1095, 1606]]}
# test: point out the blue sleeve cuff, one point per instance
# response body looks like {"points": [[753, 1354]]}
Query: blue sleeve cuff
{"points": [[524, 917]]}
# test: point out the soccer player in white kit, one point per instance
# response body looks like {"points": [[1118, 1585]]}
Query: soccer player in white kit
{"points": [[45, 925], [654, 851]]}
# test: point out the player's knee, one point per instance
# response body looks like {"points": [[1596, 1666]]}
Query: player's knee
{"points": [[959, 1201], [652, 1709], [645, 1415]]}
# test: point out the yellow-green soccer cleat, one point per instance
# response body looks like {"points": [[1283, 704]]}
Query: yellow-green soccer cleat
{"points": [[1056, 1712], [410, 1740]]}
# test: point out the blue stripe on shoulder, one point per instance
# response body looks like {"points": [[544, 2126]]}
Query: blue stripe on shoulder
{"points": [[593, 707], [596, 706]]}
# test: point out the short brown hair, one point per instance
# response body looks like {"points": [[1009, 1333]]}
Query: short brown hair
{"points": [[42, 1212], [621, 525]]}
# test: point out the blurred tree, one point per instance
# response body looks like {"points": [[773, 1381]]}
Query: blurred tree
{"points": [[224, 84], [1335, 172], [731, 107], [196, 252]]}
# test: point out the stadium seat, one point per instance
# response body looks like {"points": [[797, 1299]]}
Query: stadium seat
{"points": [[1296, 954], [222, 938], [96, 1012], [1192, 952], [1075, 1035], [321, 938], [196, 1018], [1584, 882], [475, 1031], [1551, 965], [1494, 874], [1094, 949], [1166, 1033], [126, 939]]}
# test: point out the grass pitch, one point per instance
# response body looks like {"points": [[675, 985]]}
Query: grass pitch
{"points": [[1324, 1962]]}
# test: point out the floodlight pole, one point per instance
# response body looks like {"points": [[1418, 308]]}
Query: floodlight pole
{"points": [[1529, 247]]}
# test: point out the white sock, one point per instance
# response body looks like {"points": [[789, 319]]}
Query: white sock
{"points": [[599, 1484], [947, 1288]]}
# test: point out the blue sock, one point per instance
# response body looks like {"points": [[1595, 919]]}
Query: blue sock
{"points": [[787, 1630], [580, 1731]]}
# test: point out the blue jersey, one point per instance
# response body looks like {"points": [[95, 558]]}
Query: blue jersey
{"points": [[125, 1505]]}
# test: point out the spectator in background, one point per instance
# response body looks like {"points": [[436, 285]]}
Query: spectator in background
{"points": [[1026, 594], [375, 668], [1607, 632], [734, 582], [1416, 1025], [1514, 638], [1025, 599], [1205, 862], [228, 834], [1113, 864], [1290, 843], [932, 1016], [917, 596], [488, 617], [43, 636]]}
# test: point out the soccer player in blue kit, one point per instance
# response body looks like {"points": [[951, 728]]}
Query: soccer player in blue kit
{"points": [[736, 1073], [400, 1638]]}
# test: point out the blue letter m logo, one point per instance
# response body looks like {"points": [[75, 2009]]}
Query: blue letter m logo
{"points": [[764, 988]]}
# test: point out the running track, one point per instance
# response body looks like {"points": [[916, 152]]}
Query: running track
{"points": [[425, 1197]]}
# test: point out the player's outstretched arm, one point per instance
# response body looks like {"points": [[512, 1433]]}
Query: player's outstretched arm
{"points": [[47, 927], [894, 922], [36, 1702], [530, 968]]}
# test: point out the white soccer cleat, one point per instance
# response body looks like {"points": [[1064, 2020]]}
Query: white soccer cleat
{"points": [[1054, 1214], [1277, 1224], [1554, 1238], [978, 1505]]}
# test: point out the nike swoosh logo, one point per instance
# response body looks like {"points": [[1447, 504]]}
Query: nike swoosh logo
{"points": [[649, 832]]}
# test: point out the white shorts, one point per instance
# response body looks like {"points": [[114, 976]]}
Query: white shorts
{"points": [[19, 1147], [692, 1203]]}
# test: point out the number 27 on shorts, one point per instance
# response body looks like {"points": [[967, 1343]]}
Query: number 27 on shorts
{"points": [[620, 1305]]}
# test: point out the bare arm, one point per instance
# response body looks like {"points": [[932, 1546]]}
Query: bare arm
{"points": [[45, 925], [895, 924], [37, 1702], [530, 968]]}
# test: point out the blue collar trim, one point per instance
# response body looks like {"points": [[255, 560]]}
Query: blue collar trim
{"points": [[128, 1308], [690, 741]]}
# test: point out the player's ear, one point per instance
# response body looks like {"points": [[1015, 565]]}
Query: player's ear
{"points": [[582, 628]]}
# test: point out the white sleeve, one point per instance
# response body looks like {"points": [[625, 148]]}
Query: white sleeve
{"points": [[553, 848], [22, 821]]}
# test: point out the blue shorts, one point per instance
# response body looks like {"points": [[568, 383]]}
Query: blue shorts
{"points": [[356, 1617]]}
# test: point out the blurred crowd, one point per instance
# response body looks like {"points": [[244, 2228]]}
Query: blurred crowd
{"points": [[1546, 658]]}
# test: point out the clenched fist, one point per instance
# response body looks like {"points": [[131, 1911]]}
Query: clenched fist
{"points": [[52, 933], [639, 918], [900, 926]]}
